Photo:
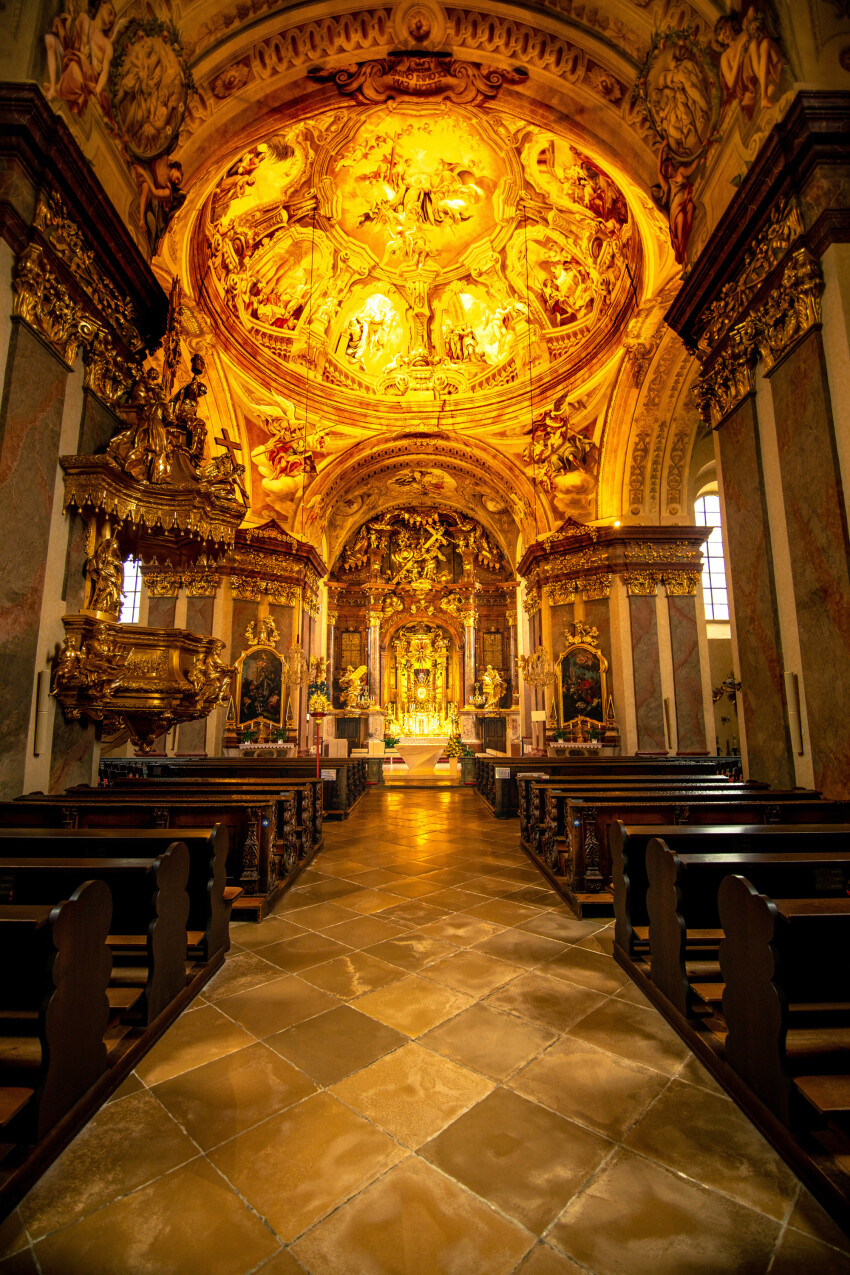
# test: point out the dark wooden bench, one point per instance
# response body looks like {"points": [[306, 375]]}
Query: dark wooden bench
{"points": [[210, 898], [258, 846], [500, 793], [340, 794], [308, 794], [628, 845], [150, 907], [682, 902], [786, 1001], [54, 971]]}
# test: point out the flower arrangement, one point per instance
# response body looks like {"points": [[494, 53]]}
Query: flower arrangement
{"points": [[318, 697], [455, 748]]}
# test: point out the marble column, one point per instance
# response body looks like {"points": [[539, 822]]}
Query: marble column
{"points": [[649, 708], [687, 673], [469, 620], [512, 666], [373, 653], [765, 741], [330, 650], [819, 551]]}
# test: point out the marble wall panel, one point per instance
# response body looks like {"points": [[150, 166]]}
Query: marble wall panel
{"points": [[161, 612], [687, 677], [30, 423], [752, 587], [647, 674], [192, 736], [98, 425], [818, 542], [74, 752]]}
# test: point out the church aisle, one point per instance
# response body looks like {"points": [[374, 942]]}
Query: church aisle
{"points": [[421, 1063]]}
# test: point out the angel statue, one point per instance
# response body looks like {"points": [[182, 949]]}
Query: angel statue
{"points": [[352, 684], [105, 570], [494, 686]]}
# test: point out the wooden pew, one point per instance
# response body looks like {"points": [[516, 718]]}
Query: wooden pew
{"points": [[499, 791], [308, 793], [54, 971], [210, 898], [548, 819], [150, 906], [787, 999], [256, 851], [682, 902], [340, 795], [628, 845]]}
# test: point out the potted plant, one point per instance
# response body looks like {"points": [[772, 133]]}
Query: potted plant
{"points": [[453, 751]]}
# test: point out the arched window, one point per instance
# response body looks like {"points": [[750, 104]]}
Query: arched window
{"points": [[132, 592], [707, 514]]}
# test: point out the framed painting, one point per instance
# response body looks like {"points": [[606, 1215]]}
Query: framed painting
{"points": [[582, 684], [259, 690]]}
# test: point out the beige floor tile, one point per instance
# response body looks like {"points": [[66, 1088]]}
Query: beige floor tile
{"points": [[551, 1002], [13, 1237], [295, 955], [639, 1034], [327, 891], [367, 903], [320, 916], [694, 1073], [363, 931], [520, 947], [374, 877], [412, 1093], [543, 1260], [472, 972], [412, 950], [415, 913], [706, 1137], [636, 1218], [602, 941], [487, 1041], [633, 995], [131, 1084], [799, 1254], [352, 975], [589, 969], [187, 1221], [413, 887], [123, 1146], [336, 1044], [22, 1263], [274, 1006], [454, 900], [225, 1097], [810, 1217], [503, 913], [589, 1085], [240, 971], [461, 930], [414, 1221], [283, 1263], [273, 929], [340, 867], [301, 1164], [413, 1005], [197, 1037], [525, 1159], [564, 927]]}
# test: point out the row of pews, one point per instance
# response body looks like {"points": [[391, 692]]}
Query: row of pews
{"points": [[106, 935], [115, 905], [731, 905], [740, 937]]}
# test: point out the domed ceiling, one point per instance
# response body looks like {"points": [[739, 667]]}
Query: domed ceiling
{"points": [[380, 269]]}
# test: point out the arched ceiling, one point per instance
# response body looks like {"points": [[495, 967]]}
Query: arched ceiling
{"points": [[422, 251]]}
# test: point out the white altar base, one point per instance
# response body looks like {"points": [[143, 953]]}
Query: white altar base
{"points": [[421, 753]]}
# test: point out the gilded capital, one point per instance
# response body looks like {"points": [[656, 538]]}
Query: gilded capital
{"points": [[641, 583]]}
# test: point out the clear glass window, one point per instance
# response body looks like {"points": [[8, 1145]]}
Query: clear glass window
{"points": [[132, 592], [707, 514]]}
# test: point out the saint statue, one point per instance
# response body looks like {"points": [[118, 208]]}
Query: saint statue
{"points": [[105, 571], [352, 684], [494, 687]]}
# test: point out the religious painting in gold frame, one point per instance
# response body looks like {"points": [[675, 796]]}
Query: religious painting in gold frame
{"points": [[582, 686], [259, 686]]}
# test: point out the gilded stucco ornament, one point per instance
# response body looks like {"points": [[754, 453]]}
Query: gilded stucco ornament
{"points": [[145, 679], [681, 584], [438, 78], [642, 583]]}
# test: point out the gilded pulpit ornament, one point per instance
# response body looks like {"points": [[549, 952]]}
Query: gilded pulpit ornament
{"points": [[105, 571]]}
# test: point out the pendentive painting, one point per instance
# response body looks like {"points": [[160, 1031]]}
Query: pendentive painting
{"points": [[582, 690], [261, 686]]}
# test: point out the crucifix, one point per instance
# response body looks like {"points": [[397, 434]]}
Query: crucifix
{"points": [[231, 446]]}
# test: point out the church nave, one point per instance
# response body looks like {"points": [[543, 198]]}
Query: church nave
{"points": [[421, 1062]]}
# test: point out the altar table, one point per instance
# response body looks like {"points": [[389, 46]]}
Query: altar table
{"points": [[420, 755]]}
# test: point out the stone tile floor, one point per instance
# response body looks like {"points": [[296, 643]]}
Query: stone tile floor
{"points": [[423, 1064]]}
